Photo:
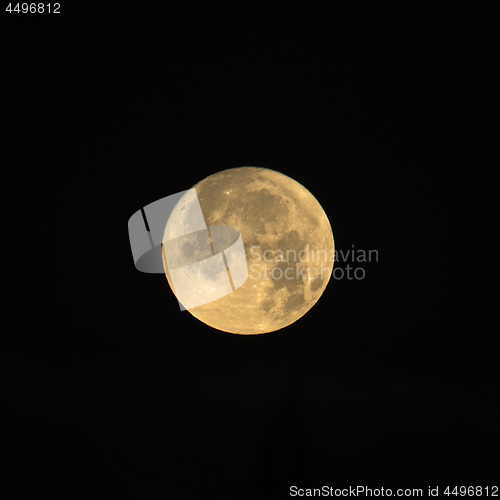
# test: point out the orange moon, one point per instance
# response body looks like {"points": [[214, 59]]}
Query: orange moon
{"points": [[288, 244]]}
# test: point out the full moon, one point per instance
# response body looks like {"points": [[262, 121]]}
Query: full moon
{"points": [[288, 244]]}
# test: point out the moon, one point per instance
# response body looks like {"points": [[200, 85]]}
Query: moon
{"points": [[288, 244]]}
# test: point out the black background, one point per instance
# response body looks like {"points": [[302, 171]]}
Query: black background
{"points": [[108, 390]]}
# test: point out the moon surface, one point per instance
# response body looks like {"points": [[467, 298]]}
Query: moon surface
{"points": [[288, 245]]}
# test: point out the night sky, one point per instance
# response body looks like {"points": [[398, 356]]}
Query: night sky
{"points": [[108, 390]]}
